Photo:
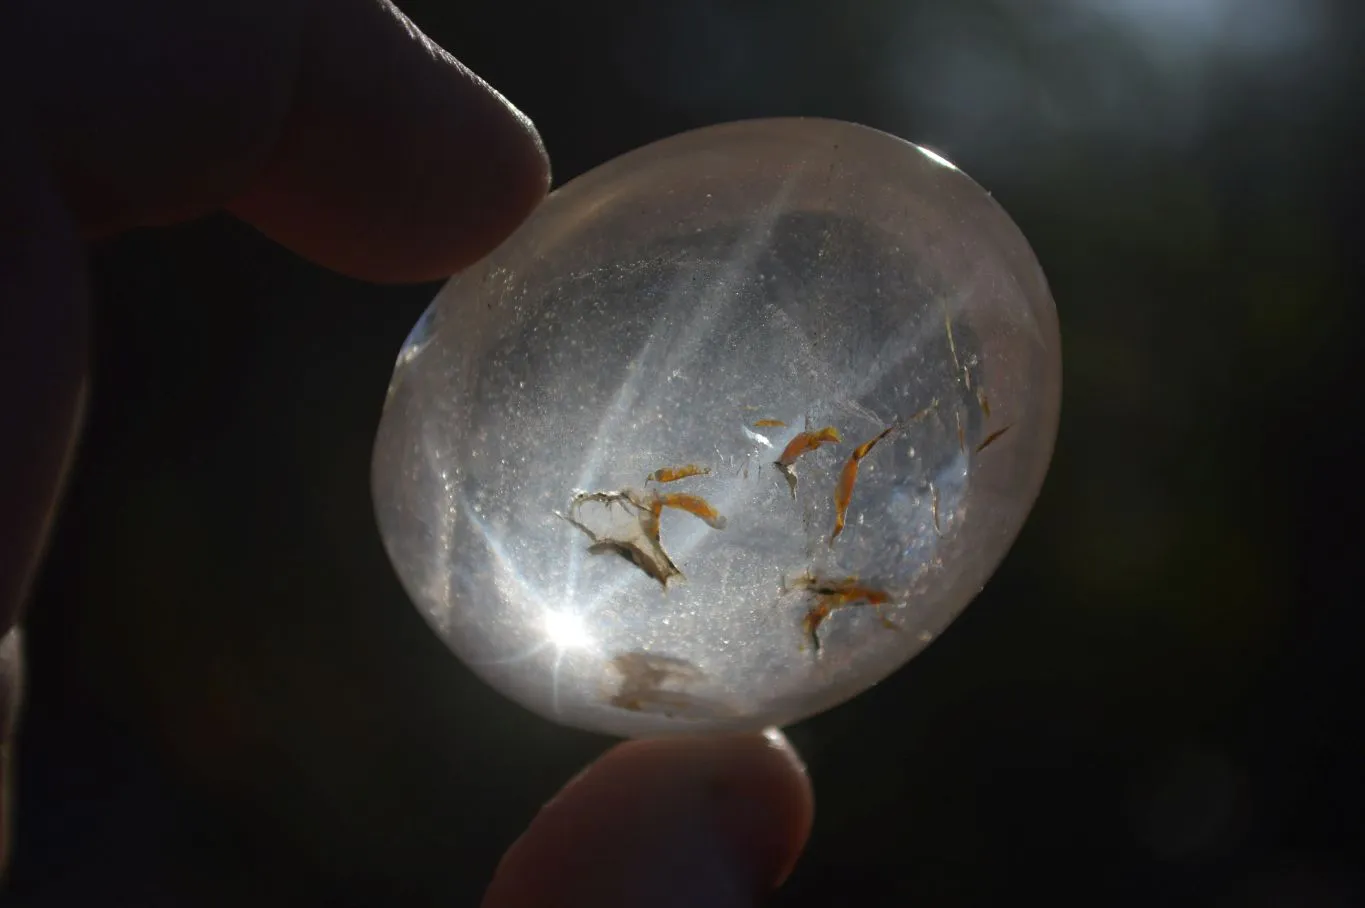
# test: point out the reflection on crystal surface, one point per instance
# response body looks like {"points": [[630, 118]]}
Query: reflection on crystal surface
{"points": [[585, 474]]}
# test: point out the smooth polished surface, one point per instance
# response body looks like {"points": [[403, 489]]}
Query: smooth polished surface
{"points": [[812, 318]]}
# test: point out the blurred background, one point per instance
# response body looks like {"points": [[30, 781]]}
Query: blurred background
{"points": [[1156, 699]]}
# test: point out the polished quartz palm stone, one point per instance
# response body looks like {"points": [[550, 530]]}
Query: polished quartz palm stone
{"points": [[727, 432]]}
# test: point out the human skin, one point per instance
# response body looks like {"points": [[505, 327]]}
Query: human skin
{"points": [[339, 130]]}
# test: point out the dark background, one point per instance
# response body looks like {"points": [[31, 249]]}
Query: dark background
{"points": [[1155, 701]]}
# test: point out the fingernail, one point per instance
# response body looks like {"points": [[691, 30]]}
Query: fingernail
{"points": [[736, 843], [688, 821]]}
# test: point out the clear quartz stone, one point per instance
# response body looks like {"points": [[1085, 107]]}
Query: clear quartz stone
{"points": [[668, 310]]}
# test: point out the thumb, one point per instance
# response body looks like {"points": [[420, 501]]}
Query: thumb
{"points": [[676, 821]]}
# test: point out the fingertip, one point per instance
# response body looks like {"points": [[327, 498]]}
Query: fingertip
{"points": [[676, 821], [396, 164], [336, 128]]}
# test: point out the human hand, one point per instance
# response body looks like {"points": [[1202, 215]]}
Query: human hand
{"points": [[340, 131]]}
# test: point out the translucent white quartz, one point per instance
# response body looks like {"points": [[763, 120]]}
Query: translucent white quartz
{"points": [[669, 309]]}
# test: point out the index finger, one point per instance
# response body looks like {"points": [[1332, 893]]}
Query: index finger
{"points": [[337, 128]]}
